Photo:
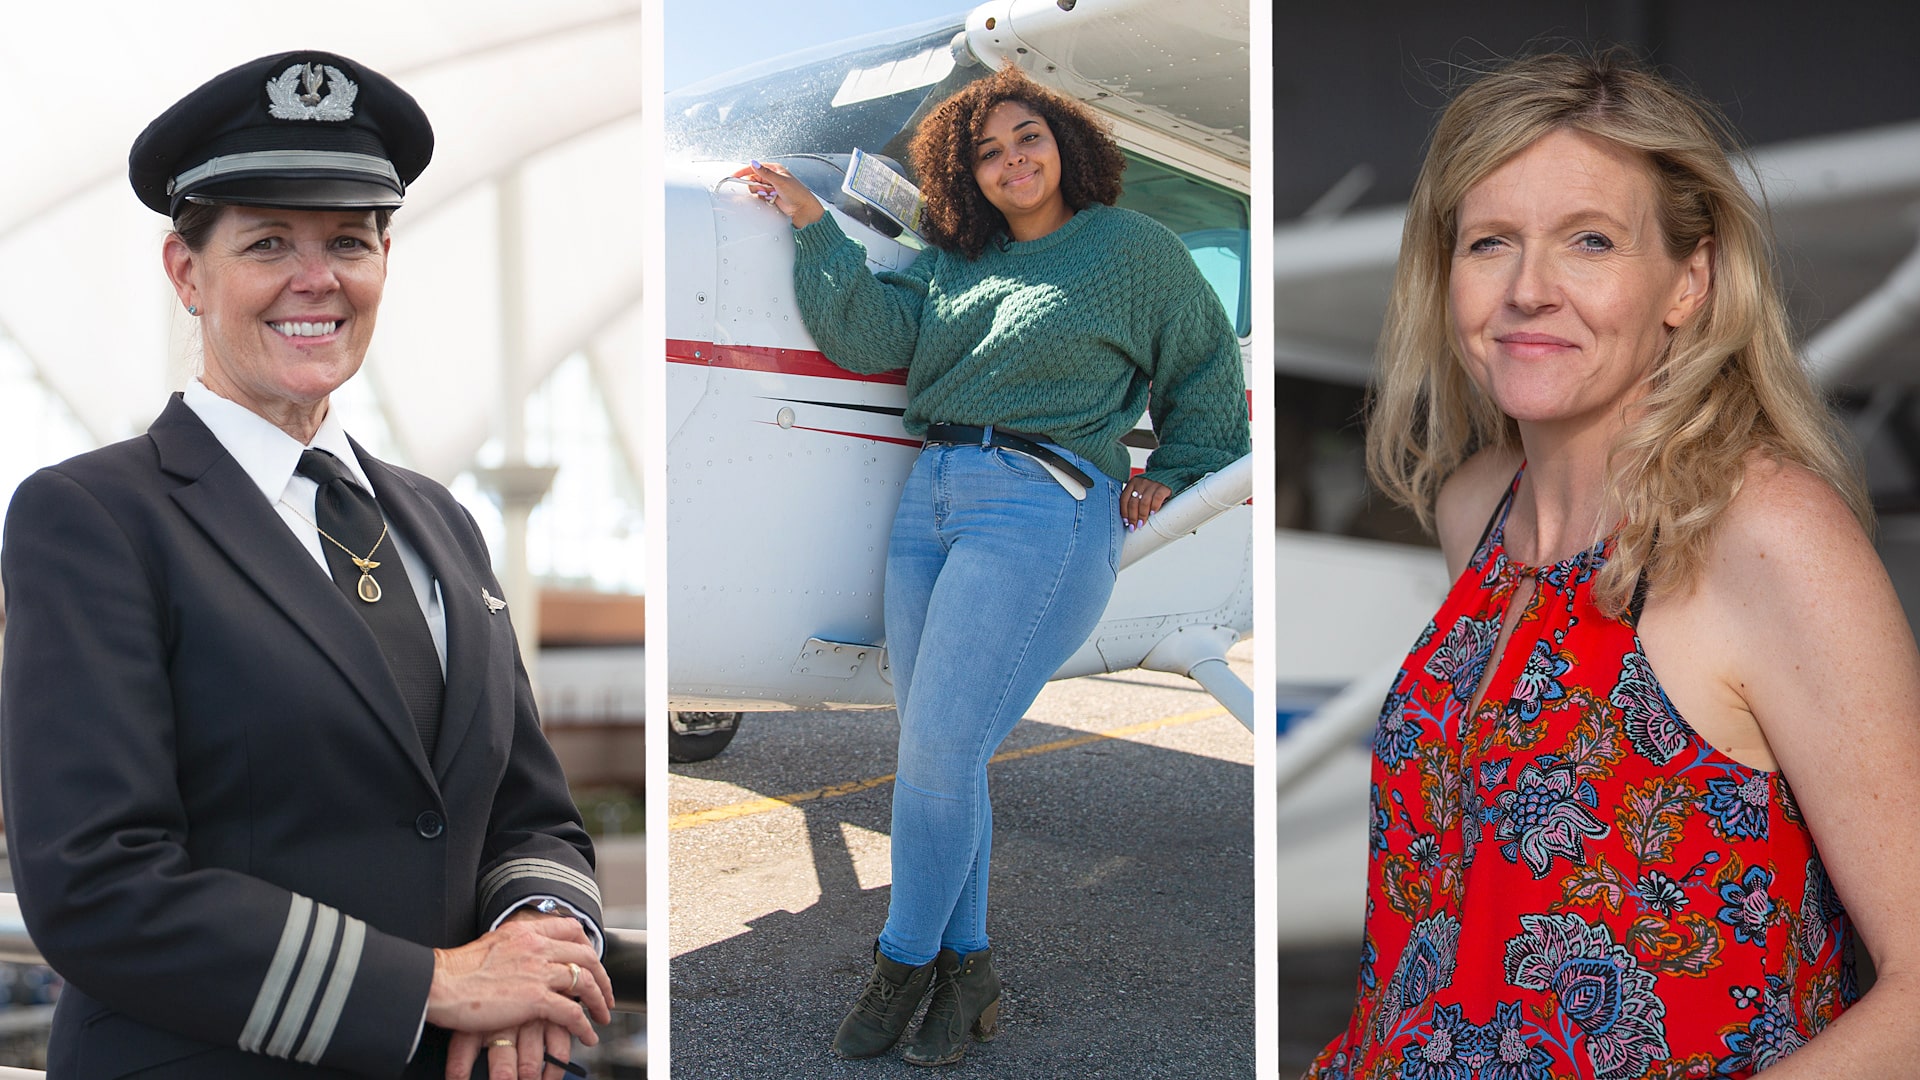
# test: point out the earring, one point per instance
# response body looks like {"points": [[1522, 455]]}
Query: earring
{"points": [[191, 310]]}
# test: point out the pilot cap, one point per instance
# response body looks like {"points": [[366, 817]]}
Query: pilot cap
{"points": [[299, 131]]}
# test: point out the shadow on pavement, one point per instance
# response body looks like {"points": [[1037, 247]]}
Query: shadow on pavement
{"points": [[1121, 916]]}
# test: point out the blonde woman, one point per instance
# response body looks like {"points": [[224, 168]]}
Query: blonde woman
{"points": [[1586, 859]]}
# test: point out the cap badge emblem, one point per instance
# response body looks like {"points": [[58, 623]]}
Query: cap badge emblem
{"points": [[295, 95]]}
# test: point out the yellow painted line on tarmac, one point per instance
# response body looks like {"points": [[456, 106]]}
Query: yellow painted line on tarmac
{"points": [[750, 807]]}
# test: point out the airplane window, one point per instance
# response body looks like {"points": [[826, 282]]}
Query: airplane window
{"points": [[1212, 221], [1221, 255], [827, 105], [894, 77]]}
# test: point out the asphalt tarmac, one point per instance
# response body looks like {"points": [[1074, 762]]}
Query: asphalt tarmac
{"points": [[1122, 895]]}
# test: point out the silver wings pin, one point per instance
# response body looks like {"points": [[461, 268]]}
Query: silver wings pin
{"points": [[295, 95], [494, 603]]}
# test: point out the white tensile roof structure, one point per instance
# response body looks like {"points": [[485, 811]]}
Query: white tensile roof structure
{"points": [[518, 249]]}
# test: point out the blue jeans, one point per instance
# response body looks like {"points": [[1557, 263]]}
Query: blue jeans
{"points": [[995, 576]]}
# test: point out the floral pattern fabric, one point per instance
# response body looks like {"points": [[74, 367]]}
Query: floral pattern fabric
{"points": [[1565, 880]]}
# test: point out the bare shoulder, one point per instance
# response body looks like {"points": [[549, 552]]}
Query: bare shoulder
{"points": [[1817, 649], [1467, 500], [1788, 535], [1800, 594]]}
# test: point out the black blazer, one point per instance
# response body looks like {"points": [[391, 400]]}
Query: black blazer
{"points": [[224, 831]]}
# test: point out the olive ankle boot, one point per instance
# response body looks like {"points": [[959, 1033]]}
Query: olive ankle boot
{"points": [[886, 1006], [966, 999]]}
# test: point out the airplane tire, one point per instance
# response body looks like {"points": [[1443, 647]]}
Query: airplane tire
{"points": [[697, 736]]}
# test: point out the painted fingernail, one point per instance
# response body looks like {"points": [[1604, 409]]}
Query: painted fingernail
{"points": [[755, 162]]}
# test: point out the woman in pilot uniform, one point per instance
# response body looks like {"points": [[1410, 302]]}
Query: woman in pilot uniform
{"points": [[277, 799]]}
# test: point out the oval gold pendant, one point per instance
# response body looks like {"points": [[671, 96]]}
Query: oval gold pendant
{"points": [[369, 588]]}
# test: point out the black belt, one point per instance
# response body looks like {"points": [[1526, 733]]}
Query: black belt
{"points": [[1016, 441]]}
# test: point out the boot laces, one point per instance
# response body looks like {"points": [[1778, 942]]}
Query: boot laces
{"points": [[946, 1000], [879, 994]]}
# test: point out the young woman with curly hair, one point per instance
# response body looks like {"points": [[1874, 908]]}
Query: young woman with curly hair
{"points": [[1033, 331], [960, 216]]}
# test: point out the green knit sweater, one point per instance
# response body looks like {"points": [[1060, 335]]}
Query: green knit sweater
{"points": [[1060, 336]]}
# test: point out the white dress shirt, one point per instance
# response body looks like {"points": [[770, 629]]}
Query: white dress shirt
{"points": [[269, 457]]}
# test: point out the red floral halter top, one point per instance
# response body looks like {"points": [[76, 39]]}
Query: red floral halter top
{"points": [[1569, 882]]}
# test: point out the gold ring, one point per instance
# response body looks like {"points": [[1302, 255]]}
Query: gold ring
{"points": [[502, 1042], [575, 981]]}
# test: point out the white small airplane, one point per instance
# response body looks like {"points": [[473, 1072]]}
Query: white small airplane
{"points": [[783, 470]]}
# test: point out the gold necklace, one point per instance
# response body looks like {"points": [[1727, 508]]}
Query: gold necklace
{"points": [[368, 588]]}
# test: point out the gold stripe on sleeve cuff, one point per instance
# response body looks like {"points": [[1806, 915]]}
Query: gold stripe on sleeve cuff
{"points": [[272, 988], [542, 869], [352, 939], [300, 998]]}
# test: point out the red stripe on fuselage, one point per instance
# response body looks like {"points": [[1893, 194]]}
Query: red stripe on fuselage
{"points": [[764, 358], [801, 362], [915, 443]]}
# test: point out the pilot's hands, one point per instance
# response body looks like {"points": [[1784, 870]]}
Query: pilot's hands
{"points": [[1139, 499], [518, 982], [786, 194], [513, 1053]]}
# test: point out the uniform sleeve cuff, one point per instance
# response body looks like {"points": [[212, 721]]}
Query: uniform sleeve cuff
{"points": [[594, 935]]}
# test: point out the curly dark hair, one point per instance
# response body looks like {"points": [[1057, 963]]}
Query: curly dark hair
{"points": [[958, 217]]}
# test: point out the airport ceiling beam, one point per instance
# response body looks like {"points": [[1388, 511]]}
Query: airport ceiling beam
{"points": [[83, 145]]}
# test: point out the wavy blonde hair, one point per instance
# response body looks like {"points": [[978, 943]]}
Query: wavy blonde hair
{"points": [[1727, 383]]}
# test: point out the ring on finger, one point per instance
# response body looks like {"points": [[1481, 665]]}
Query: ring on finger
{"points": [[575, 981], [1134, 494], [502, 1042]]}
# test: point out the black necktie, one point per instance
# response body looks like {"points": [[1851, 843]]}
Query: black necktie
{"points": [[354, 536]]}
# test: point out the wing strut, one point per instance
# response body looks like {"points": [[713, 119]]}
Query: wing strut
{"points": [[1200, 653], [1343, 720], [1210, 496]]}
